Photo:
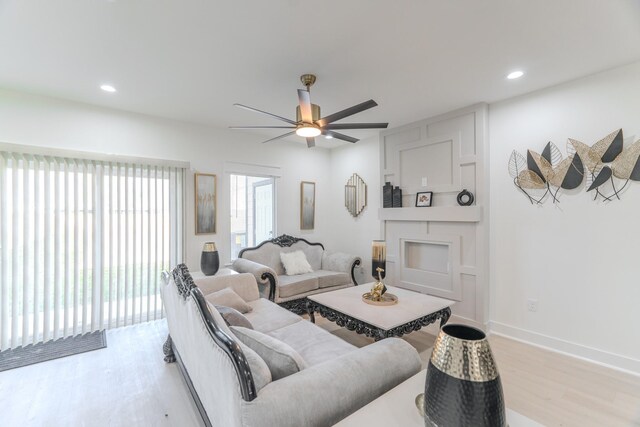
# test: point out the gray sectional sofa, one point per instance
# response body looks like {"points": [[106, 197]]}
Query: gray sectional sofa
{"points": [[330, 271], [232, 388]]}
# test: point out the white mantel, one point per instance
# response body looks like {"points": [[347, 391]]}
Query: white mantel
{"points": [[434, 213]]}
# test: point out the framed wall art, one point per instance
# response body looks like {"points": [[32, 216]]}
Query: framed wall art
{"points": [[307, 205], [205, 203], [424, 199]]}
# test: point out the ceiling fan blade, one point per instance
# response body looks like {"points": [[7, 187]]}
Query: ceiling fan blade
{"points": [[278, 137], [262, 127], [305, 106], [346, 112], [356, 126], [340, 136], [264, 112], [311, 142]]}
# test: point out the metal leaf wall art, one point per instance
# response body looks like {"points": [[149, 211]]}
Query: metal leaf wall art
{"points": [[541, 175]]}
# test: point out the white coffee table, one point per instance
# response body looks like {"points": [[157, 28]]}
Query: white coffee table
{"points": [[397, 408], [346, 308]]}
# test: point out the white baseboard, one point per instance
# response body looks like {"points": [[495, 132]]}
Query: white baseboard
{"points": [[470, 322], [590, 354]]}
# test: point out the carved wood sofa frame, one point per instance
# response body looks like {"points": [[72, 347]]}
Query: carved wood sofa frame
{"points": [[298, 306], [188, 289]]}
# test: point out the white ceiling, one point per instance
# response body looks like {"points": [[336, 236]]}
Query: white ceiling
{"points": [[192, 59]]}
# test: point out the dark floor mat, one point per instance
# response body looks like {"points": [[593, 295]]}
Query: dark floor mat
{"points": [[41, 352]]}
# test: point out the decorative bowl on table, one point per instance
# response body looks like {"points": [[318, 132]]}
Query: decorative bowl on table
{"points": [[384, 299]]}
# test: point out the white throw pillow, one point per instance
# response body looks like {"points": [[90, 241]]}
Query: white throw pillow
{"points": [[295, 263], [281, 359]]}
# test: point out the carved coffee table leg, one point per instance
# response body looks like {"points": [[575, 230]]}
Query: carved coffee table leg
{"points": [[312, 315], [169, 357], [446, 313]]}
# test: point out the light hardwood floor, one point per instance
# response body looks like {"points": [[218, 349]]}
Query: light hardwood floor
{"points": [[128, 384]]}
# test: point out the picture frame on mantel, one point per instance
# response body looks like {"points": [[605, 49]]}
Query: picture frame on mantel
{"points": [[424, 199], [205, 193], [307, 205]]}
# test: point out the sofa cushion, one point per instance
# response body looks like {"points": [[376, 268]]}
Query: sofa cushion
{"points": [[281, 359], [295, 263], [233, 317], [294, 285], [313, 343], [267, 316], [259, 369], [228, 298], [328, 279]]}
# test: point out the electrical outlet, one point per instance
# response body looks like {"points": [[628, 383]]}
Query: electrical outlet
{"points": [[532, 305], [424, 181]]}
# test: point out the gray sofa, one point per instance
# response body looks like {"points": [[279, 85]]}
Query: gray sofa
{"points": [[228, 388], [330, 271]]}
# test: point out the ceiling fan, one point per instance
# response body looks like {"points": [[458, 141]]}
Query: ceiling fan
{"points": [[309, 124]]}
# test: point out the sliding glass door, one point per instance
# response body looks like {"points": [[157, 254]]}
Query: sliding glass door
{"points": [[82, 244]]}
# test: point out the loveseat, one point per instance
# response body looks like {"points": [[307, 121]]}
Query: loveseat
{"points": [[330, 271], [233, 387]]}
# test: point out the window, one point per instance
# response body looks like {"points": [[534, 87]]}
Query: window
{"points": [[82, 244], [252, 211]]}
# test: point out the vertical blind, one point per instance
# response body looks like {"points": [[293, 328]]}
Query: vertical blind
{"points": [[83, 243]]}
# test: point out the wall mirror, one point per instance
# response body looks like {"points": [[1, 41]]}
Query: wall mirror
{"points": [[355, 195]]}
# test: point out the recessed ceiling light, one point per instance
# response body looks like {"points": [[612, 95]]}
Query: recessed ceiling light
{"points": [[328, 137], [108, 88], [515, 75]]}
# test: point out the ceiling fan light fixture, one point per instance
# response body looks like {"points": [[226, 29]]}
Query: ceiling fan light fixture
{"points": [[309, 122], [308, 131]]}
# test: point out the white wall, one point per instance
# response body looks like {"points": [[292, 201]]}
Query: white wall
{"points": [[580, 259], [349, 234], [41, 121]]}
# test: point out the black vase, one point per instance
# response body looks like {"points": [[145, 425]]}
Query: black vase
{"points": [[387, 195], [209, 260], [463, 386], [397, 197]]}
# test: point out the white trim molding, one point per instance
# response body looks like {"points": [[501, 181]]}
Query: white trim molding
{"points": [[579, 351]]}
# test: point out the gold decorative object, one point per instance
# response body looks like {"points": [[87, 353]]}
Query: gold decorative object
{"points": [[378, 295], [378, 289]]}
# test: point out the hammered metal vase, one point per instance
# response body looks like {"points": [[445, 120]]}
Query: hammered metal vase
{"points": [[463, 386]]}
